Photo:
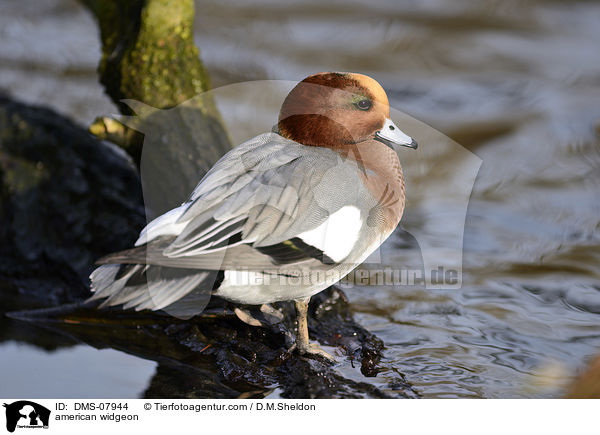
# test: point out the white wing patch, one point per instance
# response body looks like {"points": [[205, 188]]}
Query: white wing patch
{"points": [[337, 235]]}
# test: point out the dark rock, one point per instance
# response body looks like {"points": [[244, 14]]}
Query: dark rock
{"points": [[65, 200], [215, 355]]}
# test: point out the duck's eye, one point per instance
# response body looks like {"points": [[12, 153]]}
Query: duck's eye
{"points": [[364, 104]]}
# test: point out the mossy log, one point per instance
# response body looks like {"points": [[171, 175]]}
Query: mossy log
{"points": [[149, 62], [148, 51]]}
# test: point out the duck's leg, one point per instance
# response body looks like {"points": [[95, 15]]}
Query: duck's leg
{"points": [[302, 344]]}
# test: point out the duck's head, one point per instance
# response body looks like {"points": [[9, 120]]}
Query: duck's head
{"points": [[336, 110]]}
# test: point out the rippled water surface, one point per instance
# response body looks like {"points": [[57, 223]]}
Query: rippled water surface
{"points": [[515, 83]]}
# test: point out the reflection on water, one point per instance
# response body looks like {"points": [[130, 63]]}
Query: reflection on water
{"points": [[517, 84], [81, 371]]}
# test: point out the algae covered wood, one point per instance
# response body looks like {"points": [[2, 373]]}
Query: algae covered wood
{"points": [[148, 51], [150, 68]]}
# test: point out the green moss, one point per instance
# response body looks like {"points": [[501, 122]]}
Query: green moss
{"points": [[149, 55], [19, 175], [148, 51]]}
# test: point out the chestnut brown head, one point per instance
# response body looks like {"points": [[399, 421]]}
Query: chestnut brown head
{"points": [[335, 110]]}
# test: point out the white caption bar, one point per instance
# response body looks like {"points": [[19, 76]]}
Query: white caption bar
{"points": [[154, 416]]}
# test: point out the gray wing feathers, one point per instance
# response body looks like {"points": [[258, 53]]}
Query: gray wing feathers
{"points": [[242, 257], [265, 191], [273, 198], [158, 290], [104, 280]]}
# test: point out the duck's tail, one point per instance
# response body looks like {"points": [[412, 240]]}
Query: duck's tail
{"points": [[178, 291]]}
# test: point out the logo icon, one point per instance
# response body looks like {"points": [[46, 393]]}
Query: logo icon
{"points": [[26, 414]]}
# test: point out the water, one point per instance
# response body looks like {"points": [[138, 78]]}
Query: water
{"points": [[82, 372], [517, 84]]}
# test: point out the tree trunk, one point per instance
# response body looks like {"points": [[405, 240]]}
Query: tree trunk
{"points": [[149, 61]]}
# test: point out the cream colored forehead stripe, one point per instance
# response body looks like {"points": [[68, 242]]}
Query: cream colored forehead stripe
{"points": [[373, 86]]}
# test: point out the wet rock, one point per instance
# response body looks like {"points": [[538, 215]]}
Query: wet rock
{"points": [[65, 199], [215, 355]]}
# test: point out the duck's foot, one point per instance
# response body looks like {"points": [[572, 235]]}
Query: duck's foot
{"points": [[303, 346], [314, 350], [264, 316]]}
